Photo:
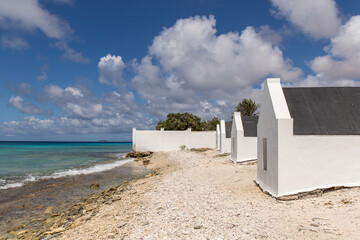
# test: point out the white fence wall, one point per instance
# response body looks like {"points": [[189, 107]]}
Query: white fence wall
{"points": [[155, 140]]}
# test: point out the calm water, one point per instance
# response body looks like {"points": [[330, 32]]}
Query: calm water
{"points": [[23, 162]]}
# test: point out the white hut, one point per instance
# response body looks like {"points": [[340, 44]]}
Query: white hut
{"points": [[217, 136], [308, 138], [243, 138], [225, 136]]}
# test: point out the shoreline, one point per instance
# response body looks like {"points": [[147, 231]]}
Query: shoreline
{"points": [[203, 195], [29, 210]]}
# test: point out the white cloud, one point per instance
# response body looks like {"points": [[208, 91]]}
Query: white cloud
{"points": [[14, 43], [190, 68], [270, 35], [87, 111], [82, 113], [68, 2], [42, 77], [322, 80], [24, 89], [318, 18], [110, 70], [70, 54], [18, 103], [343, 59], [29, 15], [75, 92]]}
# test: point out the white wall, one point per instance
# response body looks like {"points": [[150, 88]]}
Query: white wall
{"points": [[154, 140], [319, 162], [217, 136], [300, 163], [242, 148], [225, 143], [268, 128]]}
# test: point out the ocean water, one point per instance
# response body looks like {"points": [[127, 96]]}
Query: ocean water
{"points": [[23, 162]]}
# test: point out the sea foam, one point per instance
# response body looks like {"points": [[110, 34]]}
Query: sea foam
{"points": [[71, 172]]}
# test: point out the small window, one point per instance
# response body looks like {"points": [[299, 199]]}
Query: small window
{"points": [[233, 145], [265, 154]]}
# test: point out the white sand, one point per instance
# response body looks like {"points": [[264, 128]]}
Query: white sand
{"points": [[199, 196]]}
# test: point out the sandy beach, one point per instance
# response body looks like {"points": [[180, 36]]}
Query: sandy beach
{"points": [[202, 195]]}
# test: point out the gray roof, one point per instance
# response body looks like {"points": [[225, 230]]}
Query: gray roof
{"points": [[228, 126], [324, 110], [250, 125]]}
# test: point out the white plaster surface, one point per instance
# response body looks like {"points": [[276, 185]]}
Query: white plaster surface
{"points": [[242, 148], [217, 136], [225, 143], [301, 163], [156, 141]]}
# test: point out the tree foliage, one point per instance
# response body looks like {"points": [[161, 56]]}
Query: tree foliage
{"points": [[183, 121], [247, 107], [210, 125]]}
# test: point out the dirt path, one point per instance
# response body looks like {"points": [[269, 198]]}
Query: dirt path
{"points": [[202, 196]]}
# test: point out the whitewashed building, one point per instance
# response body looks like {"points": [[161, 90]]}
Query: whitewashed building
{"points": [[217, 136], [244, 138], [308, 138], [225, 136]]}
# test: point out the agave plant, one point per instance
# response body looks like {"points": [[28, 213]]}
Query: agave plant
{"points": [[247, 107]]}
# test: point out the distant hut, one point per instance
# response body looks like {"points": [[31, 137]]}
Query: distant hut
{"points": [[308, 138], [244, 138], [225, 136]]}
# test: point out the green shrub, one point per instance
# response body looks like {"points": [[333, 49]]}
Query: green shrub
{"points": [[183, 121]]}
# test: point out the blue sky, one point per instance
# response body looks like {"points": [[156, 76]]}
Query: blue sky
{"points": [[92, 70]]}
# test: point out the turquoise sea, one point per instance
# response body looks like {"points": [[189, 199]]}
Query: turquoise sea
{"points": [[24, 162]]}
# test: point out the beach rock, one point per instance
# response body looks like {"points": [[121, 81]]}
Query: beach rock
{"points": [[116, 199], [77, 222], [146, 162], [198, 226], [120, 225], [94, 186], [138, 154], [111, 236], [57, 230], [49, 210], [22, 232], [4, 237], [245, 230]]}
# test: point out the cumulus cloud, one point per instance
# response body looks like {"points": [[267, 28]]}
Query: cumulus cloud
{"points": [[42, 76], [30, 15], [81, 113], [14, 43], [23, 89], [18, 103], [70, 54], [343, 58], [68, 2], [270, 35], [110, 70], [319, 18], [190, 68]]}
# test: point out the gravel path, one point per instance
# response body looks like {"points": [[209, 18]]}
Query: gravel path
{"points": [[208, 197]]}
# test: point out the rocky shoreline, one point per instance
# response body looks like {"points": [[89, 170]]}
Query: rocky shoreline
{"points": [[200, 195], [203, 195], [55, 220]]}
